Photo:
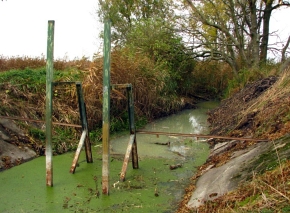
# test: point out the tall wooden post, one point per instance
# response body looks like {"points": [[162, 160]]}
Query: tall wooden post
{"points": [[48, 113], [106, 107], [83, 115], [132, 126]]}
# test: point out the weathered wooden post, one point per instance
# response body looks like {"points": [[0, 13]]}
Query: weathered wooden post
{"points": [[132, 145], [132, 126], [83, 115], [48, 113], [85, 131], [106, 107]]}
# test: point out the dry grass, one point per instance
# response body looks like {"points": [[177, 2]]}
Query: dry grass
{"points": [[20, 63], [272, 109], [260, 110], [264, 114], [141, 73], [28, 100], [269, 192]]}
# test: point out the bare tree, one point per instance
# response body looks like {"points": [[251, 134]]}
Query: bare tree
{"points": [[235, 31]]}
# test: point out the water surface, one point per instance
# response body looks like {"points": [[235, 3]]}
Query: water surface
{"points": [[151, 188]]}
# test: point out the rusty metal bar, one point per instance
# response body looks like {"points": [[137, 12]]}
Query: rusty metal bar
{"points": [[127, 156], [119, 86], [78, 151], [201, 136], [106, 107], [83, 116], [39, 121], [56, 83], [48, 114]]}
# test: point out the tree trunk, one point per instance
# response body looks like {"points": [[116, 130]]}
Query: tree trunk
{"points": [[266, 29], [254, 34], [283, 58]]}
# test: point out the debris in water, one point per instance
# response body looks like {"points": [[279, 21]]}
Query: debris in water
{"points": [[172, 167]]}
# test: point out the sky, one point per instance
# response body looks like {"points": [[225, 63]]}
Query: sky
{"points": [[24, 23]]}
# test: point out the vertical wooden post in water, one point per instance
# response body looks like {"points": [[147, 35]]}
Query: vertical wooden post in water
{"points": [[83, 115], [132, 126], [106, 107], [48, 112]]}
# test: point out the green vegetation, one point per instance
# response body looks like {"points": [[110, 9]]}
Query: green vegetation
{"points": [[148, 189]]}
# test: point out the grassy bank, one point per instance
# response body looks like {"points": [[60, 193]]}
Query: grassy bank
{"points": [[257, 107], [22, 91]]}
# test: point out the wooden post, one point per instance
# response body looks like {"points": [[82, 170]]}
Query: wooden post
{"points": [[85, 133], [132, 126], [48, 113], [106, 107], [83, 115], [132, 145]]}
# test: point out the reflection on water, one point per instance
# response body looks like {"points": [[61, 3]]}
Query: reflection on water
{"points": [[193, 121]]}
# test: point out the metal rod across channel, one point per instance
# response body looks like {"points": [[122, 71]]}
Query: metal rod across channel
{"points": [[200, 136]]}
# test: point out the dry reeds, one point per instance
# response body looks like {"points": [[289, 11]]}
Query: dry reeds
{"points": [[137, 70], [21, 63], [24, 96]]}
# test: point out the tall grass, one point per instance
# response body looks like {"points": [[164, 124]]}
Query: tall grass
{"points": [[22, 91], [21, 63]]}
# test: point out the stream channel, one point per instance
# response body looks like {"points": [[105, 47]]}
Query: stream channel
{"points": [[154, 187]]}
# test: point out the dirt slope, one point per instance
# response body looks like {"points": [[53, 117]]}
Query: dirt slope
{"points": [[260, 110]]}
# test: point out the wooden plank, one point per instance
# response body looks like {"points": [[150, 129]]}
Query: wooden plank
{"points": [[127, 157], [78, 151]]}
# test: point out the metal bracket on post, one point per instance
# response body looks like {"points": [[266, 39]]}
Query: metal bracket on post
{"points": [[85, 134]]}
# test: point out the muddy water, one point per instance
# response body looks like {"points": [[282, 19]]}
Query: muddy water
{"points": [[187, 121], [151, 188]]}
